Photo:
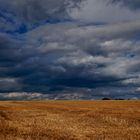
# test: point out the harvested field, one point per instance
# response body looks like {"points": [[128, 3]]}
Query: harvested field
{"points": [[69, 120]]}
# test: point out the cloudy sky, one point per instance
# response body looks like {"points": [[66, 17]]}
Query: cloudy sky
{"points": [[69, 49]]}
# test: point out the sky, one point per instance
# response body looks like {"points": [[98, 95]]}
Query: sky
{"points": [[69, 49]]}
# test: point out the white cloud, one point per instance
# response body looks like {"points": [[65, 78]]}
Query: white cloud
{"points": [[103, 11], [21, 95]]}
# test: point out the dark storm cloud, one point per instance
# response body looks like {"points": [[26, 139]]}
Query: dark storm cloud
{"points": [[71, 56], [68, 57], [63, 56], [19, 15]]}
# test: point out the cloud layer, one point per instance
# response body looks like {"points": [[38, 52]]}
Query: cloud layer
{"points": [[74, 54], [23, 15], [107, 11]]}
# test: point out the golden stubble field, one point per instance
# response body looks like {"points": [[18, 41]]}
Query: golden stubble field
{"points": [[69, 120]]}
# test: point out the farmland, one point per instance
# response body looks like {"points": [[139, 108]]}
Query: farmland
{"points": [[70, 120]]}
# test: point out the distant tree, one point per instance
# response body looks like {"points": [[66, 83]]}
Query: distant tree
{"points": [[119, 99], [105, 98]]}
